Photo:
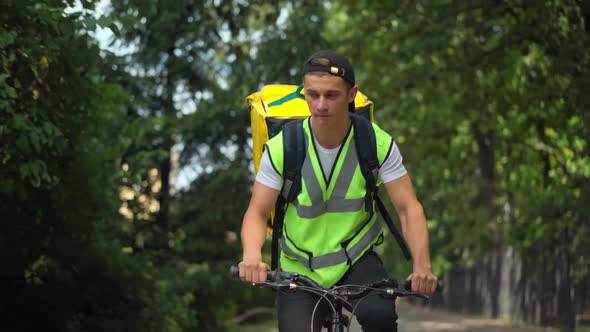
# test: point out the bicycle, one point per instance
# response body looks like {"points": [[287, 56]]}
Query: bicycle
{"points": [[338, 297]]}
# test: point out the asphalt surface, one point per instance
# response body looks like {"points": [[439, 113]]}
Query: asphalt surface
{"points": [[414, 318]]}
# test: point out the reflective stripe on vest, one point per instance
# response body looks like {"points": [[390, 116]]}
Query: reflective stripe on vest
{"points": [[337, 201], [335, 258]]}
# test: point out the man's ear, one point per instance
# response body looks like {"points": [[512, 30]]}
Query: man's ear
{"points": [[352, 93]]}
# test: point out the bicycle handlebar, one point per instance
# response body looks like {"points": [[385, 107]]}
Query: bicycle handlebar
{"points": [[279, 279], [291, 281]]}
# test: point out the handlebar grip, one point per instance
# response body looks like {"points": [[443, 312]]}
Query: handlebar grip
{"points": [[407, 285], [234, 272]]}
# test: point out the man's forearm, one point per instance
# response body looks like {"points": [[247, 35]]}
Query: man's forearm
{"points": [[253, 235], [415, 231], [416, 234]]}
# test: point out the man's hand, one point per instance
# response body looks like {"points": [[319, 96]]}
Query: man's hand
{"points": [[253, 270], [423, 281]]}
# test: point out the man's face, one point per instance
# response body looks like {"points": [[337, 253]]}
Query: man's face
{"points": [[328, 97]]}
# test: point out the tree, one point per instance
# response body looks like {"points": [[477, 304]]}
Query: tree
{"points": [[486, 101], [62, 131], [192, 66]]}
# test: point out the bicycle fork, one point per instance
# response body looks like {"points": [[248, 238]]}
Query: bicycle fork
{"points": [[336, 321]]}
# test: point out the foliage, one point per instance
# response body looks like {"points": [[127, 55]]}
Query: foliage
{"points": [[487, 102], [62, 132]]}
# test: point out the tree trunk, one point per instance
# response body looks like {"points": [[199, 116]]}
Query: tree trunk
{"points": [[164, 194], [168, 114], [487, 165], [566, 308]]}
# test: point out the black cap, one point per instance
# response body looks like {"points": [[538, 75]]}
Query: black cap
{"points": [[330, 62]]}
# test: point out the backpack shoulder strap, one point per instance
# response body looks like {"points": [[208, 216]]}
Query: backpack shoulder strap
{"points": [[293, 157], [366, 147]]}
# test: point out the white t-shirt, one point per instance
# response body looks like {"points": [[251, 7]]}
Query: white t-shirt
{"points": [[391, 169]]}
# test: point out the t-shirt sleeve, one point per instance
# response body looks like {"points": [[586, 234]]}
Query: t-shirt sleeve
{"points": [[267, 174], [392, 168]]}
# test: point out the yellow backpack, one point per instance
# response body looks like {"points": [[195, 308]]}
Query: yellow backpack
{"points": [[274, 105]]}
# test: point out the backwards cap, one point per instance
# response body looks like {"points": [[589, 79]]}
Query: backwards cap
{"points": [[330, 62]]}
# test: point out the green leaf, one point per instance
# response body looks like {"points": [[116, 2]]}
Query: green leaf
{"points": [[35, 141], [7, 38], [551, 133], [75, 15], [20, 123], [89, 22], [568, 154], [22, 143], [115, 30], [580, 144], [104, 21], [41, 6], [67, 28]]}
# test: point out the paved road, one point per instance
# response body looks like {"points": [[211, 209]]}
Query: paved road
{"points": [[414, 318]]}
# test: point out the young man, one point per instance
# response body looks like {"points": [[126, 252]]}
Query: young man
{"points": [[328, 235]]}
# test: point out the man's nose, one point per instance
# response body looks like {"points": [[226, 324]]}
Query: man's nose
{"points": [[322, 104]]}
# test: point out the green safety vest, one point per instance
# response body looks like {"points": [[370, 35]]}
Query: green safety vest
{"points": [[327, 228]]}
